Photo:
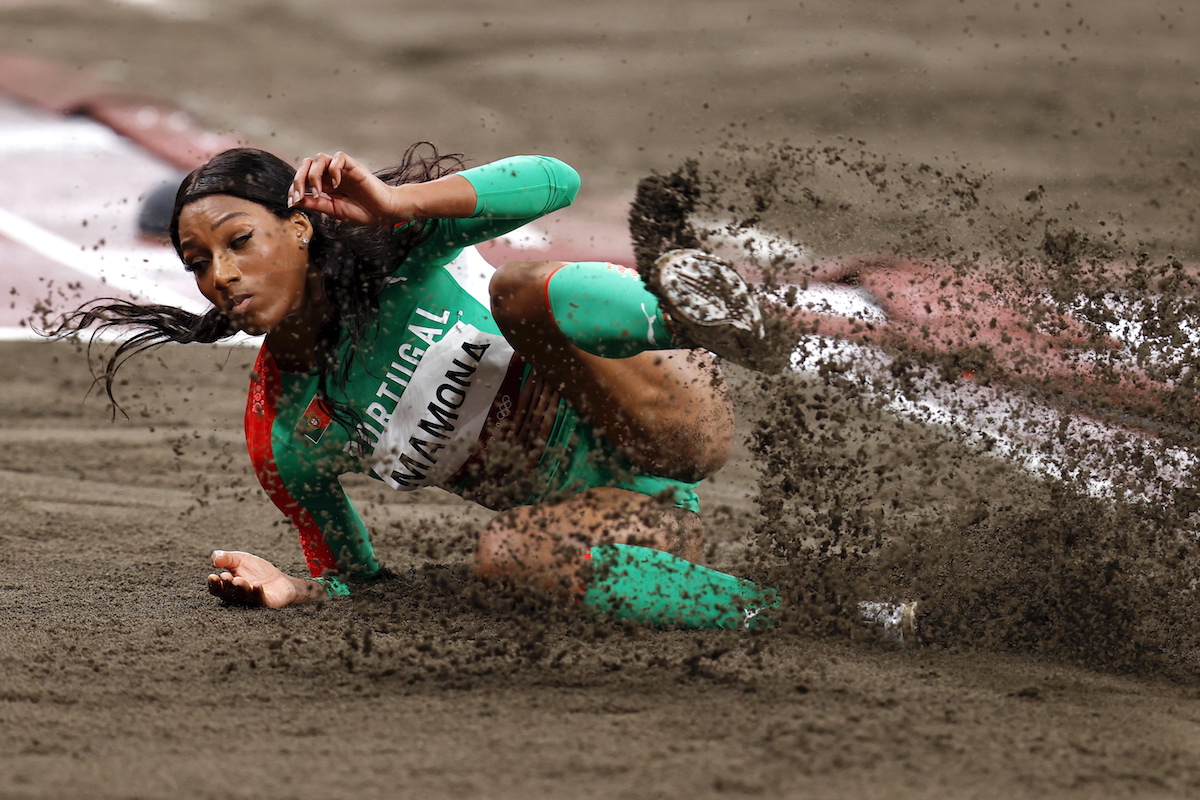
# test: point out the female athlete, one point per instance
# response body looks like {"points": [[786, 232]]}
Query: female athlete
{"points": [[568, 397]]}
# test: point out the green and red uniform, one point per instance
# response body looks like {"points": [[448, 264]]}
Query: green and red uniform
{"points": [[435, 375], [428, 383]]}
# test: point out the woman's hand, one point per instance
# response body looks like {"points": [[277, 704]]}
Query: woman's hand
{"points": [[249, 580], [340, 187]]}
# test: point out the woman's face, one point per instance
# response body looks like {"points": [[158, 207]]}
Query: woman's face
{"points": [[249, 263]]}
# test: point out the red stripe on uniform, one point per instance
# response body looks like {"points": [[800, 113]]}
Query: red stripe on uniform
{"points": [[265, 386]]}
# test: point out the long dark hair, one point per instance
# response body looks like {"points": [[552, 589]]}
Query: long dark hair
{"points": [[354, 262]]}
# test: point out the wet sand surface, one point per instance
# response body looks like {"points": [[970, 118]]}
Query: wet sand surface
{"points": [[1061, 654]]}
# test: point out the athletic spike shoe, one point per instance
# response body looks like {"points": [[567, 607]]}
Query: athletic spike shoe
{"points": [[899, 620], [707, 304]]}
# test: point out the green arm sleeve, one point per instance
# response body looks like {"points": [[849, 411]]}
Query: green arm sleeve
{"points": [[511, 192], [522, 187]]}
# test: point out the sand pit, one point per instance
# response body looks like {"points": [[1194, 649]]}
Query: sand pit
{"points": [[1061, 650]]}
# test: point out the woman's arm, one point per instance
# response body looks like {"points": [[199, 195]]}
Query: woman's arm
{"points": [[487, 200], [341, 187], [517, 189], [334, 538], [335, 543], [249, 580], [509, 193]]}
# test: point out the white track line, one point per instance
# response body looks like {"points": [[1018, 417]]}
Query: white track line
{"points": [[1046, 441], [59, 136], [69, 254]]}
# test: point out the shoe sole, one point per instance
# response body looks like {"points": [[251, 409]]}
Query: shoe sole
{"points": [[710, 305]]}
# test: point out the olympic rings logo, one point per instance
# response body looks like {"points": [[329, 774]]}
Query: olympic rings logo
{"points": [[504, 408]]}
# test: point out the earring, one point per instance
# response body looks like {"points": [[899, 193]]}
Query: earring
{"points": [[304, 243]]}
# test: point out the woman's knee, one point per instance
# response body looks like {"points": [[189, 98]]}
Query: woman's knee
{"points": [[520, 544], [517, 291]]}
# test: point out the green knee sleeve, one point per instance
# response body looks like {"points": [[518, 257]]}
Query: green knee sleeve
{"points": [[606, 310], [652, 587]]}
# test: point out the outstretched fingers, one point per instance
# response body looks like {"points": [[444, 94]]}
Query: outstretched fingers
{"points": [[235, 590], [238, 582], [247, 579]]}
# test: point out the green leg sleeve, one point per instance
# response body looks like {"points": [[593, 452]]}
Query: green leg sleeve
{"points": [[606, 310], [657, 588]]}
